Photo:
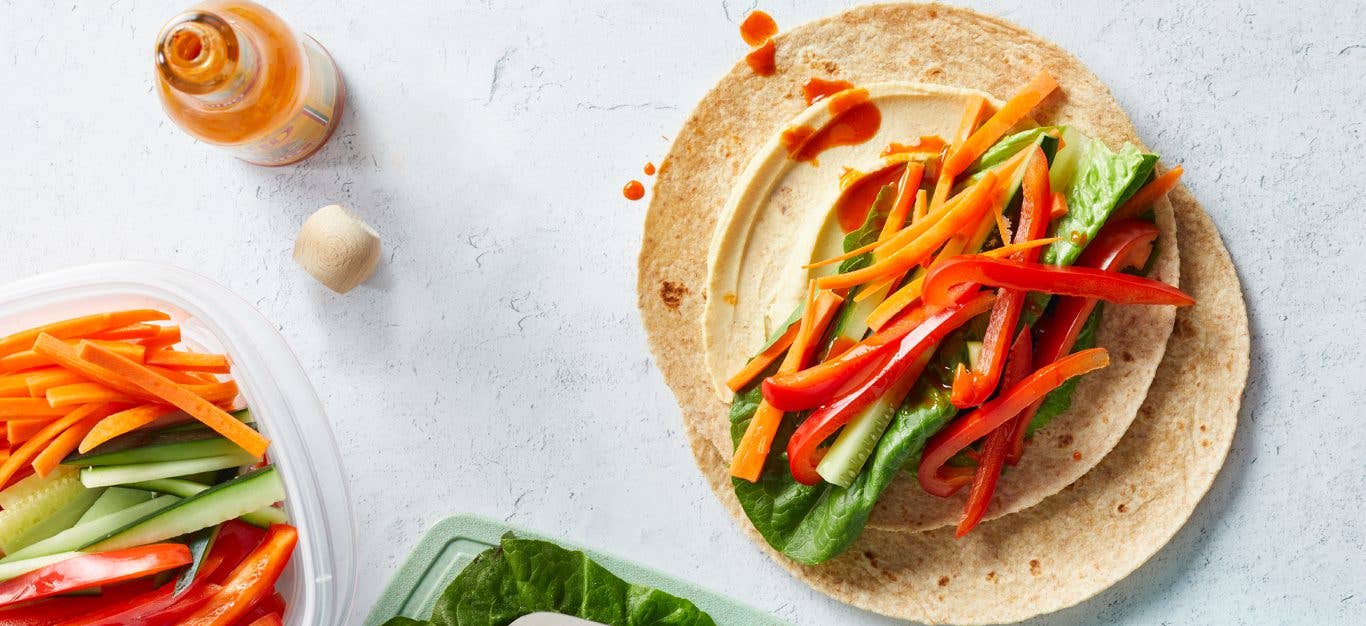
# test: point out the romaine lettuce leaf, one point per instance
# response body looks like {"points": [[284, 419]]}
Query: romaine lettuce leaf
{"points": [[1095, 181]]}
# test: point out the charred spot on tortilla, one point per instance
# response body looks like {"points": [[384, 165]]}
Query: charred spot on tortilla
{"points": [[943, 581], [672, 293], [1034, 567]]}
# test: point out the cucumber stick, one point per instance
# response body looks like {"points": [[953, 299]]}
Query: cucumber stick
{"points": [[214, 505], [113, 500], [262, 517], [40, 500], [33, 485], [19, 568], [856, 441], [172, 447], [58, 521], [123, 474], [82, 534]]}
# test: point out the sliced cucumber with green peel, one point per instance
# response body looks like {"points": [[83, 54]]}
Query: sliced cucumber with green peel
{"points": [[123, 474], [81, 535], [263, 517], [32, 485], [168, 447], [19, 568], [53, 496], [58, 521], [200, 543], [113, 500], [856, 441], [214, 505], [242, 415]]}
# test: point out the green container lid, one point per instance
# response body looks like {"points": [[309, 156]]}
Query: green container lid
{"points": [[454, 542]]}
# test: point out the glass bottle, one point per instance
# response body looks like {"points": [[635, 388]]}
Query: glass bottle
{"points": [[233, 74]]}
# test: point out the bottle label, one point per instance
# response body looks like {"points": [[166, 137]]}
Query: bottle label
{"points": [[312, 124]]}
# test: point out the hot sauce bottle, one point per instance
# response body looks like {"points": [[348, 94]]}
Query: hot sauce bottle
{"points": [[233, 74]]}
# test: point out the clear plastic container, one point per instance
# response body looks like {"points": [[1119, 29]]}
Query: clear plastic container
{"points": [[320, 580]]}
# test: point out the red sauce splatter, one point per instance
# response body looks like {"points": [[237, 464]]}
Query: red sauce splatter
{"points": [[1077, 238], [649, 168], [817, 88], [857, 198], [925, 144], [757, 28], [761, 59], [854, 120], [633, 190]]}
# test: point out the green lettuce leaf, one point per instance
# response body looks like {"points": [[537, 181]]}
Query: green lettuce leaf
{"points": [[524, 576], [1007, 147], [1095, 181], [869, 231]]}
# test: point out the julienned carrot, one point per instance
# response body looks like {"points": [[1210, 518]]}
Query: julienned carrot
{"points": [[39, 381], [32, 447], [62, 445], [181, 377], [761, 361], [122, 422], [66, 356], [882, 248], [996, 127], [84, 393], [922, 206], [975, 203], [216, 393], [193, 361], [1059, 207], [14, 385], [186, 400], [907, 190], [752, 451], [78, 327], [22, 360], [19, 431], [166, 336], [11, 408], [125, 333], [973, 109], [1148, 194]]}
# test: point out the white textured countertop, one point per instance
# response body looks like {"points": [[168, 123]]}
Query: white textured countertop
{"points": [[496, 364]]}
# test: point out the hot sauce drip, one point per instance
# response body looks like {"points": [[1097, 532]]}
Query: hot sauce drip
{"points": [[757, 28], [817, 88], [649, 168], [857, 198], [925, 144], [761, 60], [854, 120], [633, 190]]}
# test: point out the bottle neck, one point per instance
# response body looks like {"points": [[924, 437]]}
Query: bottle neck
{"points": [[202, 56]]}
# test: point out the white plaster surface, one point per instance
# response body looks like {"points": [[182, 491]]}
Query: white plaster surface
{"points": [[496, 364]]}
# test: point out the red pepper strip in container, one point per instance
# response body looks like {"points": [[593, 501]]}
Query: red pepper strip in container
{"points": [[1086, 282], [998, 442], [1118, 246], [973, 387], [93, 570], [810, 387], [963, 431], [803, 449], [251, 581], [273, 605]]}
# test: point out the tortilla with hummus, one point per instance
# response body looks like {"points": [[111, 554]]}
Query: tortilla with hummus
{"points": [[770, 213]]}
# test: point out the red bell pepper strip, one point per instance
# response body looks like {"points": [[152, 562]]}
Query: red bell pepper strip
{"points": [[236, 539], [275, 604], [251, 581], [973, 387], [1118, 246], [271, 619], [998, 442], [963, 431], [93, 570], [803, 449], [808, 388], [55, 609], [1087, 282]]}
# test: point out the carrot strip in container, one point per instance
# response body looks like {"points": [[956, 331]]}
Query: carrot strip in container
{"points": [[11, 408], [19, 431], [129, 332], [122, 422], [760, 362], [62, 445], [192, 361], [215, 392], [183, 377], [166, 336], [14, 385], [186, 400], [84, 393], [996, 127], [22, 360], [78, 327], [39, 381], [25, 453], [66, 356]]}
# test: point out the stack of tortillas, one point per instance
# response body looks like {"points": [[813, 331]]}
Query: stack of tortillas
{"points": [[1104, 486]]}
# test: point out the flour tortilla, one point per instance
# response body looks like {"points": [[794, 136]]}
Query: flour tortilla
{"points": [[1073, 544]]}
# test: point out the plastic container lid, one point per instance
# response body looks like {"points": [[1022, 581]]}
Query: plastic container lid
{"points": [[319, 583]]}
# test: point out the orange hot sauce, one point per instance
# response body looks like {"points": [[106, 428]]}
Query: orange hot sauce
{"points": [[233, 74], [633, 190]]}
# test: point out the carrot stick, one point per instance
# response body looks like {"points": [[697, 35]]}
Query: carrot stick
{"points": [[12, 408], [752, 451], [39, 381], [1009, 249], [192, 361], [78, 327], [22, 360], [122, 422], [19, 431], [186, 400], [907, 190], [14, 385], [216, 393], [921, 207], [66, 356], [972, 114], [761, 361], [32, 447], [976, 203], [1010, 114], [62, 445], [1059, 207], [166, 336], [896, 241], [181, 377], [1148, 194], [84, 393], [125, 333]]}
